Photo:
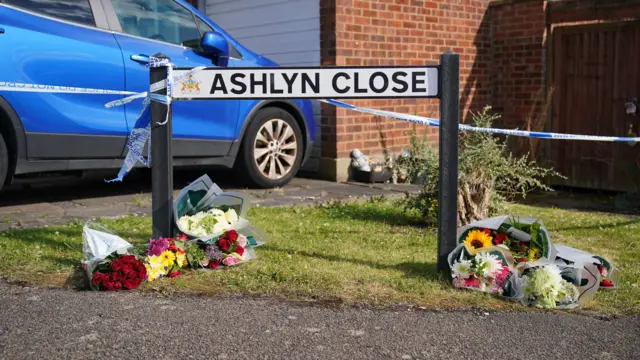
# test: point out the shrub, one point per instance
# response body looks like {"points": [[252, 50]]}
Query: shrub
{"points": [[489, 174]]}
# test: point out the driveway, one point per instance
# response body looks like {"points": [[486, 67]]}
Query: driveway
{"points": [[59, 203]]}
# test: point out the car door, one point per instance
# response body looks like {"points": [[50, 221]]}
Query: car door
{"points": [[202, 128], [60, 43]]}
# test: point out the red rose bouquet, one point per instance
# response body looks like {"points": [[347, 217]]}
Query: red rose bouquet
{"points": [[118, 272]]}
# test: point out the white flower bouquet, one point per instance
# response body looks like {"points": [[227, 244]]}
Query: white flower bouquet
{"points": [[204, 212], [548, 286]]}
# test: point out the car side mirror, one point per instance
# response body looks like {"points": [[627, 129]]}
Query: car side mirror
{"points": [[217, 46]]}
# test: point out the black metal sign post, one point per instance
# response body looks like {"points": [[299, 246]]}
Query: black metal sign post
{"points": [[442, 82], [161, 159], [448, 176]]}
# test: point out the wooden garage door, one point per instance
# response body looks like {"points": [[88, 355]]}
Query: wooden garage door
{"points": [[596, 70]]}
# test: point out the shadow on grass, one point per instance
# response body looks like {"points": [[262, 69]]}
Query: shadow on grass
{"points": [[614, 225], [585, 200], [427, 271], [374, 211]]}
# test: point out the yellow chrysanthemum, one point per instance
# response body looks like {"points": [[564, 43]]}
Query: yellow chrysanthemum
{"points": [[181, 259], [155, 261], [168, 257], [477, 239], [152, 273]]}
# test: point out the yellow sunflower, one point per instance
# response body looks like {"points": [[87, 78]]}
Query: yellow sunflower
{"points": [[477, 239], [534, 254]]}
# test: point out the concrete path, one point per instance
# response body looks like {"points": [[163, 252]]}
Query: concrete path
{"points": [[59, 324], [54, 204]]}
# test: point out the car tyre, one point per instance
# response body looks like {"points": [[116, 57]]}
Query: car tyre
{"points": [[272, 150], [4, 161]]}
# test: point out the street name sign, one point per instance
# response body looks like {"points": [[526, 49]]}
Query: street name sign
{"points": [[309, 83]]}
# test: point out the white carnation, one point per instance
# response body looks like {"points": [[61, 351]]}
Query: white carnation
{"points": [[462, 268]]}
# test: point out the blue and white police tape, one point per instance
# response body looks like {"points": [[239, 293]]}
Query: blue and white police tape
{"points": [[464, 127], [141, 132]]}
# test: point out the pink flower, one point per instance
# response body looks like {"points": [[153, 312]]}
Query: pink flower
{"points": [[230, 260], [157, 246], [602, 269], [242, 240], [502, 276]]}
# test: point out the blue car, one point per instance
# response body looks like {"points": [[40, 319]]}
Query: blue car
{"points": [[105, 44]]}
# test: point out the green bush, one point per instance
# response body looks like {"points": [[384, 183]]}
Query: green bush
{"points": [[489, 174]]}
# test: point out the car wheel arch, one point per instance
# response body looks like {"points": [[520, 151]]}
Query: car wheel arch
{"points": [[13, 132]]}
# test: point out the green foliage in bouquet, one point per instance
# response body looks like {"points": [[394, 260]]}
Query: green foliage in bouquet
{"points": [[196, 256], [490, 174], [539, 239]]}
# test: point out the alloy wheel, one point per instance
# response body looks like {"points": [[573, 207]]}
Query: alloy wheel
{"points": [[275, 149]]}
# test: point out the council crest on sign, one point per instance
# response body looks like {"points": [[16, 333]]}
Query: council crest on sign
{"points": [[190, 86]]}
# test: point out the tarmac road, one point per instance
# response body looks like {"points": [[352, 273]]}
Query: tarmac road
{"points": [[64, 324]]}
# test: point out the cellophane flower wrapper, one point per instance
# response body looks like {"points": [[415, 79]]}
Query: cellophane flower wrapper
{"points": [[98, 243], [503, 224], [584, 277], [110, 262], [568, 255], [500, 280], [203, 195]]}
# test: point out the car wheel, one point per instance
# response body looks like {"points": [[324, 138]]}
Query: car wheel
{"points": [[272, 149]]}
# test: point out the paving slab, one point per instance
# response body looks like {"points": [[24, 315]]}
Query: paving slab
{"points": [[57, 204]]}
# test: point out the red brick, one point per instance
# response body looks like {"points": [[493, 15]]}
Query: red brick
{"points": [[415, 32]]}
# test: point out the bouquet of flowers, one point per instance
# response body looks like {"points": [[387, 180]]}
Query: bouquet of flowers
{"points": [[212, 221], [165, 257], [229, 249], [488, 270], [108, 263], [555, 286], [609, 274], [204, 212], [526, 238], [118, 272]]}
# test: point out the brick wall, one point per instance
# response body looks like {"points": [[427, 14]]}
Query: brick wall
{"points": [[399, 32], [518, 61]]}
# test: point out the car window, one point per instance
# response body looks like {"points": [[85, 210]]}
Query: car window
{"points": [[78, 11], [163, 20], [204, 27]]}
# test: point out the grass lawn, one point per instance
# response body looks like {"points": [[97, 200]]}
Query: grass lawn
{"points": [[368, 252]]}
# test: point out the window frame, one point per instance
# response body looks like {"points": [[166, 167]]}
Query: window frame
{"points": [[95, 6], [115, 25]]}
